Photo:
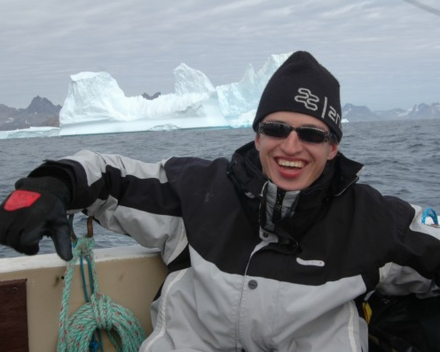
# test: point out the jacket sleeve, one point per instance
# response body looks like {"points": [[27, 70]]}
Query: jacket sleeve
{"points": [[126, 196], [415, 267]]}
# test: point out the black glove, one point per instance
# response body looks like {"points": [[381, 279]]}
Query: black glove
{"points": [[35, 209]]}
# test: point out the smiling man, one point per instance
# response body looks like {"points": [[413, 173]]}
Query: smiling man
{"points": [[293, 161], [301, 96], [267, 251]]}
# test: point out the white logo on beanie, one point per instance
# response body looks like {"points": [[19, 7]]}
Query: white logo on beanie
{"points": [[307, 98], [334, 116], [310, 101]]}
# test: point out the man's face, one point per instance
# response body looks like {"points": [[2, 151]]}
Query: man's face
{"points": [[291, 163]]}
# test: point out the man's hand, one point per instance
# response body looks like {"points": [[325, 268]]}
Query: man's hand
{"points": [[35, 209]]}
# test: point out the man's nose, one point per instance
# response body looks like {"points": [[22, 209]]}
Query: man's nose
{"points": [[292, 144]]}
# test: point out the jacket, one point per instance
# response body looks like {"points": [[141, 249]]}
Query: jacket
{"points": [[240, 282]]}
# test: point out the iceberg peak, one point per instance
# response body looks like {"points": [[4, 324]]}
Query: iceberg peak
{"points": [[188, 81]]}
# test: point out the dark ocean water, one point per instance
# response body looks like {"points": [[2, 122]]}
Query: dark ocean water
{"points": [[401, 158]]}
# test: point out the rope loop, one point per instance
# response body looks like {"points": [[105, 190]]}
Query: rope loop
{"points": [[99, 313], [102, 307]]}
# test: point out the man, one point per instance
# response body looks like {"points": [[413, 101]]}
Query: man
{"points": [[267, 251]]}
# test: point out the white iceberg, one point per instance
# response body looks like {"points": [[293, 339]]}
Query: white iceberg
{"points": [[31, 132], [96, 104]]}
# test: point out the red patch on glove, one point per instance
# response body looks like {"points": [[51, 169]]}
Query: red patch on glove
{"points": [[21, 199]]}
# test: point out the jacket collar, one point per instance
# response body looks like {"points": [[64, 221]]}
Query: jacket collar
{"points": [[246, 172]]}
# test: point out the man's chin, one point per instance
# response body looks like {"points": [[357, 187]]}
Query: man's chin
{"points": [[288, 185]]}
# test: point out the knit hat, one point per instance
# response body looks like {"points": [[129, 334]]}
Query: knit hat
{"points": [[301, 84]]}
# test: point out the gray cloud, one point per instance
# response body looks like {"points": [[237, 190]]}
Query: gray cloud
{"points": [[385, 53]]}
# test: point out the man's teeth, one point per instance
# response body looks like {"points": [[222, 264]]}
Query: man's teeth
{"points": [[287, 163]]}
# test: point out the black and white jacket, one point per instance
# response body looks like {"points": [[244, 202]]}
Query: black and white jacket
{"points": [[250, 271]]}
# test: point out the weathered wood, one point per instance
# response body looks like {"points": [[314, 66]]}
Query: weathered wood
{"points": [[13, 316]]}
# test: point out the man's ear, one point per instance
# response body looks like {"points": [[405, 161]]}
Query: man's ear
{"points": [[257, 141], [333, 151]]}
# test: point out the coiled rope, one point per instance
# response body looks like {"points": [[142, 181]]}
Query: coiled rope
{"points": [[100, 313]]}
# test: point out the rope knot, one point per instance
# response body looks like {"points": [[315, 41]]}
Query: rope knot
{"points": [[83, 247]]}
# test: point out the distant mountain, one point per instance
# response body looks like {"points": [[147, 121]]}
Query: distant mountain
{"points": [[358, 113], [422, 111], [394, 114], [40, 112], [6, 111], [151, 97], [42, 106]]}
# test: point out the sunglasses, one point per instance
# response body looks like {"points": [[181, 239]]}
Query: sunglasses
{"points": [[282, 130]]}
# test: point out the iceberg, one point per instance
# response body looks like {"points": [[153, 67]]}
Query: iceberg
{"points": [[31, 132], [96, 104]]}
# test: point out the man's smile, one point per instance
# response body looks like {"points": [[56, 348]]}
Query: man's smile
{"points": [[296, 164]]}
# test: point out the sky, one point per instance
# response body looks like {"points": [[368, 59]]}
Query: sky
{"points": [[385, 53]]}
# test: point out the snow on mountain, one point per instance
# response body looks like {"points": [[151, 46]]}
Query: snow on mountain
{"points": [[424, 110]]}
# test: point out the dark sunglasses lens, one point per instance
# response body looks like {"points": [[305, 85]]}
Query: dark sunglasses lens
{"points": [[277, 130], [311, 135]]}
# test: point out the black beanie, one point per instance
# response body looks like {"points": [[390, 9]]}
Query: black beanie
{"points": [[301, 84]]}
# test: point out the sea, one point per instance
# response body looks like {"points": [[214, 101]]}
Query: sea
{"points": [[401, 158]]}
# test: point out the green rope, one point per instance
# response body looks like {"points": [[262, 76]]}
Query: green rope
{"points": [[100, 313]]}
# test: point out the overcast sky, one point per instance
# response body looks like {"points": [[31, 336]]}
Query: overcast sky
{"points": [[385, 53]]}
